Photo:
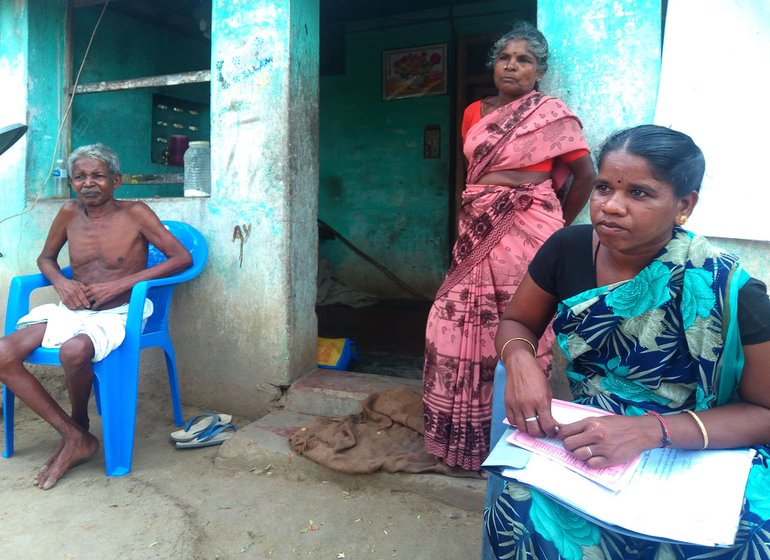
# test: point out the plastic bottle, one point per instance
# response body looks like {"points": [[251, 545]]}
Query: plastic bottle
{"points": [[197, 169], [61, 188]]}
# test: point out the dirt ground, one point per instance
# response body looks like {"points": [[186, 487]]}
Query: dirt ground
{"points": [[177, 504]]}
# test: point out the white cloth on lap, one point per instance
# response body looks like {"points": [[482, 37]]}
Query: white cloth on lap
{"points": [[105, 327]]}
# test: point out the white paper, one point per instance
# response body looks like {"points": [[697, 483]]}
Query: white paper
{"points": [[506, 456], [683, 496], [565, 412]]}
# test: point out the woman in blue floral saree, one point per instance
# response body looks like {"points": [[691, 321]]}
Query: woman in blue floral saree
{"points": [[658, 327]]}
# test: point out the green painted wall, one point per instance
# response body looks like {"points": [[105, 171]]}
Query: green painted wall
{"points": [[124, 48], [14, 35], [375, 186], [605, 60], [47, 62]]}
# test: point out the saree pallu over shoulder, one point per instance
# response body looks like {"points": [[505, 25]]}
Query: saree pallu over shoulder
{"points": [[660, 340], [530, 130]]}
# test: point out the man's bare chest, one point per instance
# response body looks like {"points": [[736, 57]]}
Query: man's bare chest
{"points": [[108, 244]]}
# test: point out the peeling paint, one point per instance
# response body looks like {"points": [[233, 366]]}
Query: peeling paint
{"points": [[251, 61]]}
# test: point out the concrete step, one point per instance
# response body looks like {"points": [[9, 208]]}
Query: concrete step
{"points": [[262, 446], [329, 392]]}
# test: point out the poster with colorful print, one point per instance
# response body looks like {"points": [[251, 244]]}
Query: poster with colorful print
{"points": [[414, 72]]}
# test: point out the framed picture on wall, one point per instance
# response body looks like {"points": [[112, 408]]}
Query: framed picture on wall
{"points": [[414, 72]]}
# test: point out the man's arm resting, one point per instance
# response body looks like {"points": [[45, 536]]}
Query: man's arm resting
{"points": [[71, 292]]}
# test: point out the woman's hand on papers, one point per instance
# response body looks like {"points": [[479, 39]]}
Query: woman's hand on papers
{"points": [[528, 397], [610, 440]]}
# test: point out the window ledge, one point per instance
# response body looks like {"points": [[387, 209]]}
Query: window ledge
{"points": [[152, 178]]}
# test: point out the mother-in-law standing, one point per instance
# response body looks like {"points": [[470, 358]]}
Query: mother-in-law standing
{"points": [[521, 147]]}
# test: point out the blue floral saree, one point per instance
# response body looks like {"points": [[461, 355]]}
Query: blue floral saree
{"points": [[666, 340]]}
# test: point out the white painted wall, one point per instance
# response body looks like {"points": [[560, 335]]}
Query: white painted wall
{"points": [[713, 86]]}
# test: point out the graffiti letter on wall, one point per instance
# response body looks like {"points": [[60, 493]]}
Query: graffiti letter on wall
{"points": [[238, 233]]}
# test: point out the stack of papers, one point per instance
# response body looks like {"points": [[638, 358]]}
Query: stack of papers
{"points": [[614, 478], [670, 495]]}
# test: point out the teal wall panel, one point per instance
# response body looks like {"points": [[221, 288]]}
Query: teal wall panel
{"points": [[375, 186], [47, 63], [605, 62], [14, 56]]}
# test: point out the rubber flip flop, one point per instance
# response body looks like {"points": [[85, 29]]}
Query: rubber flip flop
{"points": [[198, 425], [214, 436]]}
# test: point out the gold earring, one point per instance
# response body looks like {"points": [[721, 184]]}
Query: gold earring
{"points": [[682, 220]]}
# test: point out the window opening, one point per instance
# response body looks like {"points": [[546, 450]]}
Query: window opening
{"points": [[145, 57]]}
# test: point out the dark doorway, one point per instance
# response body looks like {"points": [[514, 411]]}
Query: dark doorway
{"points": [[390, 335]]}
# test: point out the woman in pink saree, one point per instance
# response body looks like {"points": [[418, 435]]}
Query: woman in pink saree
{"points": [[521, 147]]}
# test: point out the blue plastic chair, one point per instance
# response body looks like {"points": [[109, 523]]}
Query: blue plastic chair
{"points": [[117, 376]]}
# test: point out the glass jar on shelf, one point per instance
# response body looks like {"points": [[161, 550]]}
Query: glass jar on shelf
{"points": [[197, 169]]}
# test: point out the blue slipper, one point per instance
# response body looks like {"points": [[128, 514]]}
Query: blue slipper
{"points": [[198, 425], [215, 435]]}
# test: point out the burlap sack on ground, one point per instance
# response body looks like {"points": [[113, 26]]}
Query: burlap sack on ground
{"points": [[386, 434]]}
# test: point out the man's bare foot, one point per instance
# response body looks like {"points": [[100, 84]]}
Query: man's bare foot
{"points": [[83, 423], [71, 453], [44, 468]]}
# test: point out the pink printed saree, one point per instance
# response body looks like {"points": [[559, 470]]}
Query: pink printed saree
{"points": [[500, 229]]}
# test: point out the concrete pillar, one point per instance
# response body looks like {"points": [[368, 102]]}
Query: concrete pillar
{"points": [[251, 318], [605, 60]]}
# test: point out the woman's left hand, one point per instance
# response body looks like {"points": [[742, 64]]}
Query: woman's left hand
{"points": [[608, 440]]}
